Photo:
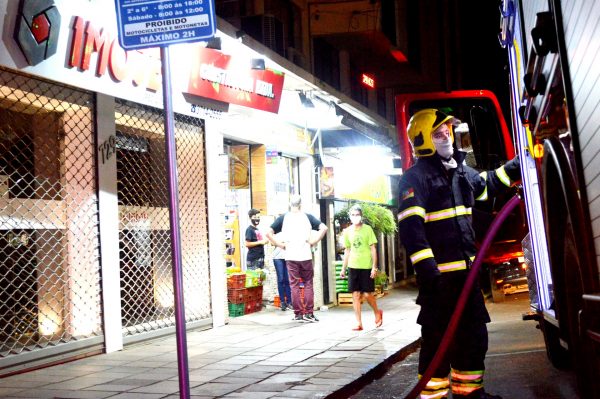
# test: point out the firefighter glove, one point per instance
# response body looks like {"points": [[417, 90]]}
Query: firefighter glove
{"points": [[513, 169]]}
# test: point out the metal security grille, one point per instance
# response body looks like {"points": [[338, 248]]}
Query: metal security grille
{"points": [[144, 240], [49, 259]]}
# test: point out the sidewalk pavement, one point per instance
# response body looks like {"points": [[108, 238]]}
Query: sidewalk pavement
{"points": [[256, 356]]}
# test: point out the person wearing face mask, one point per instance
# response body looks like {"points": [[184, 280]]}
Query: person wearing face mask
{"points": [[255, 242], [360, 257], [437, 195]]}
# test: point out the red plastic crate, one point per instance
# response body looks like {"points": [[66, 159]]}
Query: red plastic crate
{"points": [[237, 295], [236, 280], [252, 306], [255, 293]]}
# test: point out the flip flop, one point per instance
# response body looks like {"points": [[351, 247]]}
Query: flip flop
{"points": [[379, 320], [357, 328]]}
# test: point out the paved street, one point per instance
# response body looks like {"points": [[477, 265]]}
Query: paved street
{"points": [[516, 364]]}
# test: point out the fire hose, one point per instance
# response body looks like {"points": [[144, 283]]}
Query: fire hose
{"points": [[462, 299]]}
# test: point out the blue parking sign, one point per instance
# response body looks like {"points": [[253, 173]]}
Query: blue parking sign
{"points": [[155, 23]]}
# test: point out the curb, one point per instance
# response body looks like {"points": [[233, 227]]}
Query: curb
{"points": [[375, 373]]}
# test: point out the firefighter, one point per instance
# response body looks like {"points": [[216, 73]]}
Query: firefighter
{"points": [[436, 199]]}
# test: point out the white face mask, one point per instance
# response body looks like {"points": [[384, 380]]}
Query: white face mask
{"points": [[444, 148], [356, 219]]}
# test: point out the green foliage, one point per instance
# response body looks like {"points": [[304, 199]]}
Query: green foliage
{"points": [[380, 218], [381, 278]]}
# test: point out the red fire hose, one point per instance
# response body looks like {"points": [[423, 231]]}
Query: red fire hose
{"points": [[462, 300]]}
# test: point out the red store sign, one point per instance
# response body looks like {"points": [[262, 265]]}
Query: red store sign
{"points": [[231, 79]]}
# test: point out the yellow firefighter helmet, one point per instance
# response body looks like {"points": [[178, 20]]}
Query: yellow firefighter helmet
{"points": [[420, 127]]}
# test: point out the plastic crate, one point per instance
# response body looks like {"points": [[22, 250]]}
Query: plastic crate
{"points": [[341, 285], [237, 295], [236, 309], [254, 278], [254, 293], [252, 306], [237, 280], [252, 282]]}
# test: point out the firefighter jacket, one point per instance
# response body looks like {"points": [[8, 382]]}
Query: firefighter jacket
{"points": [[435, 223]]}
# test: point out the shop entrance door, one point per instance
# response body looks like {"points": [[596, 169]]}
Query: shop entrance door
{"points": [[49, 237], [147, 299]]}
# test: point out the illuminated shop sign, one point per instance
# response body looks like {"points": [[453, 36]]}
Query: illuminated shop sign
{"points": [[368, 81], [231, 79], [352, 180], [37, 29], [78, 45]]}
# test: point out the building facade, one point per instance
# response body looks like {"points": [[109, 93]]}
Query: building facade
{"points": [[84, 203]]}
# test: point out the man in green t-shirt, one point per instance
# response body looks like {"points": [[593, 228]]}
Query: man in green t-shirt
{"points": [[360, 256]]}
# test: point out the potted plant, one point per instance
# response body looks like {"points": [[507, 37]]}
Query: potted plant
{"points": [[381, 280]]}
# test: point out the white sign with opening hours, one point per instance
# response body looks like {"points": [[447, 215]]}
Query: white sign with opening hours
{"points": [[155, 23]]}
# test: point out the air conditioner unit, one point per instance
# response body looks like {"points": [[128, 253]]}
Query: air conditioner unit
{"points": [[266, 29]]}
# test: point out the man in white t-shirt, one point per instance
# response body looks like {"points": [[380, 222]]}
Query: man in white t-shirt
{"points": [[295, 228]]}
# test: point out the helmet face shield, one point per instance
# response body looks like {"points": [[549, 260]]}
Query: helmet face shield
{"points": [[422, 124]]}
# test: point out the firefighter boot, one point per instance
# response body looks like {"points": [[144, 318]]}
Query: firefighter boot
{"points": [[478, 394]]}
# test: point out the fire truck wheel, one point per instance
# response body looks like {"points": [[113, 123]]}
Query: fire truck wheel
{"points": [[569, 258], [558, 356], [572, 292], [574, 289]]}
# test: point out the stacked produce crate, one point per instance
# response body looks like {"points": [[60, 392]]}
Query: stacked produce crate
{"points": [[341, 284], [254, 288], [254, 299], [236, 294], [244, 292]]}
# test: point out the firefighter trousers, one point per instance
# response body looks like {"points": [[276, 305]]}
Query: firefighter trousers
{"points": [[465, 358]]}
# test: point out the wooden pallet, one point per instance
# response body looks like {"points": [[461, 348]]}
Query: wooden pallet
{"points": [[345, 299]]}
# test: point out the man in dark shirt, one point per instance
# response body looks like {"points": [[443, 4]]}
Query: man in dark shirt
{"points": [[255, 242]]}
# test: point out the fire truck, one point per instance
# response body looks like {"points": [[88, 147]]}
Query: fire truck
{"points": [[553, 47], [553, 50]]}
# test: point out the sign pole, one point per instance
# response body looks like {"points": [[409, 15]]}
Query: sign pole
{"points": [[180, 331], [159, 23]]}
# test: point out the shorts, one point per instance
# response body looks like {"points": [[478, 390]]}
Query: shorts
{"points": [[360, 280], [255, 264]]}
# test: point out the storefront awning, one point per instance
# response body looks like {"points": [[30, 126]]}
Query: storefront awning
{"points": [[370, 132]]}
